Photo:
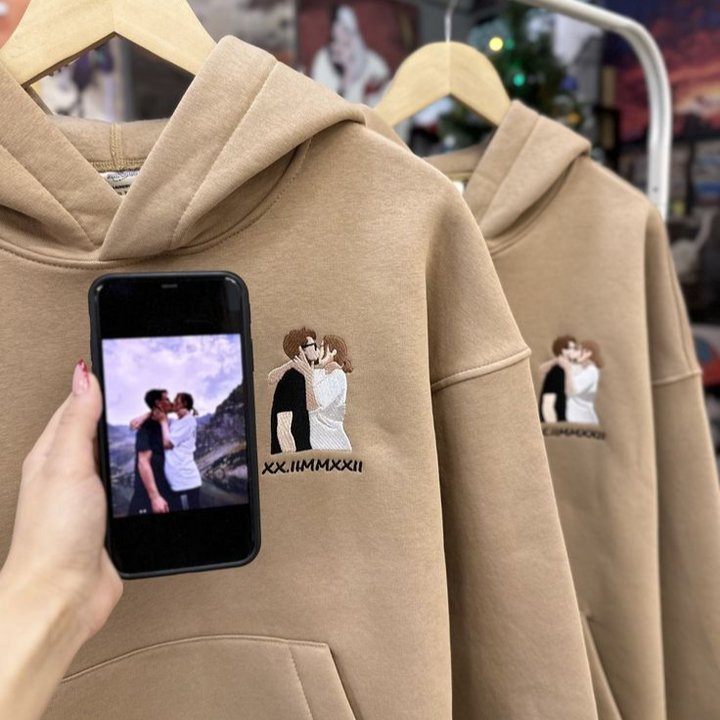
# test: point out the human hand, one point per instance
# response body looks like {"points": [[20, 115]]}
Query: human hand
{"points": [[137, 423], [564, 363], [302, 364], [326, 356], [159, 505], [585, 356], [159, 415], [57, 545]]}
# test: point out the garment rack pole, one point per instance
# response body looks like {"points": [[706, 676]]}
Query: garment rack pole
{"points": [[660, 126]]}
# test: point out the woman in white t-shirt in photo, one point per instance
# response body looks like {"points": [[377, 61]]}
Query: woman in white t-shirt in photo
{"points": [[179, 440]]}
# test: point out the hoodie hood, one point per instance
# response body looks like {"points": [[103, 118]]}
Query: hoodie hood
{"points": [[238, 134], [516, 171]]}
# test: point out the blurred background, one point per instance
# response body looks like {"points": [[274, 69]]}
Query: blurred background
{"points": [[572, 72]]}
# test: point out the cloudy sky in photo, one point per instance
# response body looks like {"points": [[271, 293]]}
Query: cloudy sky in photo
{"points": [[209, 367]]}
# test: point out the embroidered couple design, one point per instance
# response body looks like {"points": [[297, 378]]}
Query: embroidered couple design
{"points": [[571, 382], [308, 410]]}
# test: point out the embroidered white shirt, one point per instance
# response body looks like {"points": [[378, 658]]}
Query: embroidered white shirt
{"points": [[581, 404], [326, 422]]}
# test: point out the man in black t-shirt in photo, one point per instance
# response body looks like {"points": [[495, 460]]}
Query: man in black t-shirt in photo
{"points": [[289, 420], [553, 395], [151, 487]]}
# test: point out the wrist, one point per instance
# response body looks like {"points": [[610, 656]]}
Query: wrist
{"points": [[45, 605], [41, 632]]}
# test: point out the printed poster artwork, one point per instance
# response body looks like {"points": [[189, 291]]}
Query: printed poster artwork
{"points": [[310, 394], [688, 33], [354, 48], [571, 381]]}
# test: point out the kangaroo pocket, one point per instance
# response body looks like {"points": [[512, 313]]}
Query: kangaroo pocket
{"points": [[606, 705], [229, 677]]}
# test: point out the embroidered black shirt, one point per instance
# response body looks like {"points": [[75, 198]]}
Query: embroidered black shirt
{"points": [[290, 397], [555, 385]]}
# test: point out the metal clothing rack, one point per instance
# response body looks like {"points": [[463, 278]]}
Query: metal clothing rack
{"points": [[660, 128]]}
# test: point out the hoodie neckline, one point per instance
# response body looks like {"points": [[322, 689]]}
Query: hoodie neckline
{"points": [[232, 125], [515, 173]]}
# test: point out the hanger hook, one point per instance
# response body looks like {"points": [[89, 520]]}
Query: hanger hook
{"points": [[449, 18]]}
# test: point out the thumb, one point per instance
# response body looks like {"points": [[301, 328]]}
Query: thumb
{"points": [[77, 426]]}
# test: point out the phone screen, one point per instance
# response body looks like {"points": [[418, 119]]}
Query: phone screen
{"points": [[177, 402], [175, 363]]}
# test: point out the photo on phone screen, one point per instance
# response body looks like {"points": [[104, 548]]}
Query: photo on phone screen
{"points": [[175, 409]]}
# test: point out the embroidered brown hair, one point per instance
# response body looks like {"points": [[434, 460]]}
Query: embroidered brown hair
{"points": [[562, 343], [594, 348], [333, 342], [295, 339]]}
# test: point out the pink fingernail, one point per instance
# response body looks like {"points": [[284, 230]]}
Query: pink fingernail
{"points": [[81, 379]]}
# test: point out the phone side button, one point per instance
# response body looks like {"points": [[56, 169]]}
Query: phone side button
{"points": [[252, 357]]}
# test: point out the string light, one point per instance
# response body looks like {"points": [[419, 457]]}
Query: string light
{"points": [[519, 79], [574, 118], [496, 44]]}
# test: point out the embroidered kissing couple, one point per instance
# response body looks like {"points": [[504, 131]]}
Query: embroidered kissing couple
{"points": [[308, 409]]}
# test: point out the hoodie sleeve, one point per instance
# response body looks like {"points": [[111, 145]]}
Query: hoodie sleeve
{"points": [[688, 496], [517, 647]]}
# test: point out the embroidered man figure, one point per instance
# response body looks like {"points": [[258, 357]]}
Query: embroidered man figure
{"points": [[290, 421], [553, 396]]}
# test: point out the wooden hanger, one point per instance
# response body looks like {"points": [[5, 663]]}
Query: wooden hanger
{"points": [[444, 69], [52, 33]]}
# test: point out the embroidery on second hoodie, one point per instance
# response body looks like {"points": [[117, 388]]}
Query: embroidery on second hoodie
{"points": [[308, 410], [571, 382]]}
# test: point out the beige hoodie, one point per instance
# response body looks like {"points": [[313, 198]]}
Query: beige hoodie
{"points": [[583, 255], [435, 536]]}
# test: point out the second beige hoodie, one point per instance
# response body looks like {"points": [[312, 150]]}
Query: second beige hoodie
{"points": [[585, 263]]}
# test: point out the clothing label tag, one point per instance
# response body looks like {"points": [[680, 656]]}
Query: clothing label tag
{"points": [[120, 181], [460, 185]]}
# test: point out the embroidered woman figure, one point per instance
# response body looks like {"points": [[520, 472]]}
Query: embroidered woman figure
{"points": [[326, 393], [581, 384]]}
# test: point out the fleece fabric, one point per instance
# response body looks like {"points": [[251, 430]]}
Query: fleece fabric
{"points": [[585, 264], [419, 574]]}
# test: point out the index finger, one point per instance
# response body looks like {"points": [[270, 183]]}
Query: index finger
{"points": [[40, 450], [74, 439]]}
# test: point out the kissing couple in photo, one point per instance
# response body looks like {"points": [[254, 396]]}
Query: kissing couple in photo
{"points": [[167, 477], [308, 410]]}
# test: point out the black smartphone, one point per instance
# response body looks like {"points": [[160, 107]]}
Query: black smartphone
{"points": [[177, 444]]}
